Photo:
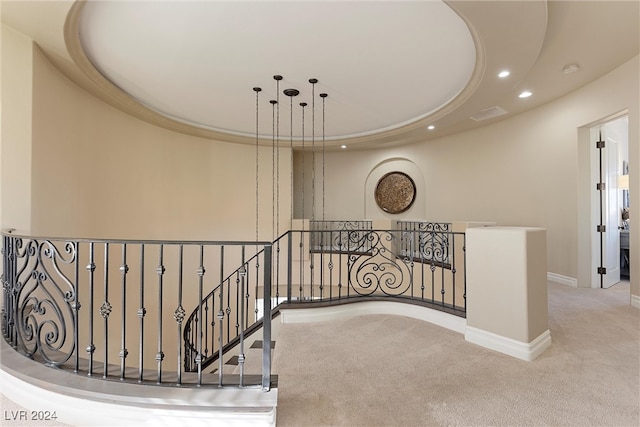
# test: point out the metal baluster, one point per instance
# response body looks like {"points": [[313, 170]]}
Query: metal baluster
{"points": [[91, 348], [180, 312], [247, 296], [312, 259], [14, 292], [442, 259], [321, 273], [277, 284], [201, 272], [453, 268], [5, 310], [239, 300], [12, 303], [349, 282], [141, 313], [5, 282], [205, 323], [221, 316], [160, 270], [212, 297], [330, 266], [124, 269], [411, 261], [464, 251], [266, 326], [289, 265], [415, 244], [7, 287], [11, 306], [243, 271], [420, 248], [228, 311], [15, 289], [340, 265], [433, 269], [76, 306], [256, 295], [105, 311], [301, 245]]}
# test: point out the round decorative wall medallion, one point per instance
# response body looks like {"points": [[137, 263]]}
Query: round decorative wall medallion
{"points": [[395, 192]]}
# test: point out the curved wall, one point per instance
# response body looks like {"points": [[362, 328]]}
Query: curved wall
{"points": [[15, 147], [98, 172], [522, 171]]}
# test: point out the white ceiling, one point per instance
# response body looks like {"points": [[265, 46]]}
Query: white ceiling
{"points": [[390, 68], [198, 61]]}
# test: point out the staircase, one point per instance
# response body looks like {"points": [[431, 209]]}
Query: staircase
{"points": [[321, 267]]}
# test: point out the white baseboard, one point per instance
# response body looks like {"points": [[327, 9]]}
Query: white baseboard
{"points": [[562, 280], [319, 314], [508, 346], [635, 301]]}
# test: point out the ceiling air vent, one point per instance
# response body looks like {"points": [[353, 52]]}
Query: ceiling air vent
{"points": [[488, 113]]}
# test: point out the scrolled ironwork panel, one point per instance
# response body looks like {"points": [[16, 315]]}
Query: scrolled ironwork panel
{"points": [[339, 236], [44, 299], [379, 271], [434, 247], [425, 241]]}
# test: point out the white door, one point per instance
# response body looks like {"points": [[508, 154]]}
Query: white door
{"points": [[606, 169], [611, 212]]}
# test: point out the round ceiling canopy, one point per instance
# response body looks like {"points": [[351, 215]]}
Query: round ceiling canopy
{"points": [[197, 62]]}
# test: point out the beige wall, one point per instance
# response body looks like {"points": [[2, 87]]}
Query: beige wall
{"points": [[100, 173], [15, 147], [522, 171]]}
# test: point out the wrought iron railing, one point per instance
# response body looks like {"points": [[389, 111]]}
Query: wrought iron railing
{"points": [[382, 271], [120, 308], [230, 311], [307, 275], [425, 242], [339, 236], [115, 308]]}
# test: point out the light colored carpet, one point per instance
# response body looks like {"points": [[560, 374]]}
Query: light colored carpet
{"points": [[396, 371]]}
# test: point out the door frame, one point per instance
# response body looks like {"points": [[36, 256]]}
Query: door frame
{"points": [[588, 204]]}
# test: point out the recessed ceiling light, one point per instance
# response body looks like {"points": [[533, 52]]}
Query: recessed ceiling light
{"points": [[525, 94], [431, 127], [504, 74], [343, 146]]}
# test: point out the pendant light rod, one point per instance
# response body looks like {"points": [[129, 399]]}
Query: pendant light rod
{"points": [[304, 155], [277, 78], [313, 147], [323, 96], [273, 103], [291, 93], [257, 91]]}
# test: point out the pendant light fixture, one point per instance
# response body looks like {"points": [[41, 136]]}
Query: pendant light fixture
{"points": [[275, 155]]}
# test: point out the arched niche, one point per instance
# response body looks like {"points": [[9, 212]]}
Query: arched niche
{"points": [[417, 210]]}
